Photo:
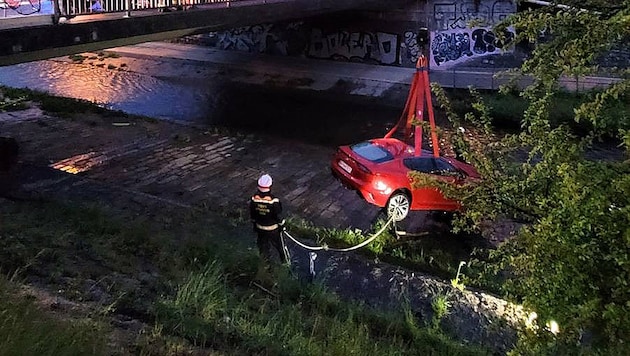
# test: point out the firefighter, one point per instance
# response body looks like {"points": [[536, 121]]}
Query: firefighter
{"points": [[265, 212]]}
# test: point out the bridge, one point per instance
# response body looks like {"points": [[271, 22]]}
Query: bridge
{"points": [[392, 33], [45, 29]]}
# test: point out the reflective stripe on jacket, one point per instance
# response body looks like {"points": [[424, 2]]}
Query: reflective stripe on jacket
{"points": [[265, 210], [267, 228]]}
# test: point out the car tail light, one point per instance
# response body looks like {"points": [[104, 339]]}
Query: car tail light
{"points": [[381, 186]]}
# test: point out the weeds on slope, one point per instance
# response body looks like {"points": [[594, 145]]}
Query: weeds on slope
{"points": [[187, 277], [27, 330], [303, 320]]}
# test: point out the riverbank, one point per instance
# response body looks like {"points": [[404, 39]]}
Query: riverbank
{"points": [[175, 178]]}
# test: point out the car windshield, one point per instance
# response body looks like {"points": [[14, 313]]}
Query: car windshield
{"points": [[372, 152]]}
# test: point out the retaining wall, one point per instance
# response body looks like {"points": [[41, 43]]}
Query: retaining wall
{"points": [[451, 32]]}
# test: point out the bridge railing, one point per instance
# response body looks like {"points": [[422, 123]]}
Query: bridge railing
{"points": [[69, 8], [82, 7]]}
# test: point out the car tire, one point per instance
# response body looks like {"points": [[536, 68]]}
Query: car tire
{"points": [[398, 206]]}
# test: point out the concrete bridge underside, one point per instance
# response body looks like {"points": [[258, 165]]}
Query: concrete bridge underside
{"points": [[25, 44]]}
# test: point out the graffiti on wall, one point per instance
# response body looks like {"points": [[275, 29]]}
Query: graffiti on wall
{"points": [[500, 10], [450, 47], [462, 29], [413, 48], [266, 38], [453, 15], [21, 8], [370, 47]]}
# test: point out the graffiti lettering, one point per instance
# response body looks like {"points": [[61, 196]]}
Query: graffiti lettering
{"points": [[462, 29], [484, 41], [22, 9], [451, 15], [455, 46], [444, 15], [450, 47], [265, 38], [474, 13], [501, 9], [357, 46], [412, 46], [487, 41]]}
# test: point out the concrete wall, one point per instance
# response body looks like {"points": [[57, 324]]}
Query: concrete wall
{"points": [[394, 37], [346, 37]]}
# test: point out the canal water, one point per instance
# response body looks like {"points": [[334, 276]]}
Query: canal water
{"points": [[131, 92], [208, 98]]}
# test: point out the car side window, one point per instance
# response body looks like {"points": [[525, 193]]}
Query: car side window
{"points": [[420, 164], [445, 168]]}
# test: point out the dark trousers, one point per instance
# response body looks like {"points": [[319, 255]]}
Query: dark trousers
{"points": [[265, 240]]}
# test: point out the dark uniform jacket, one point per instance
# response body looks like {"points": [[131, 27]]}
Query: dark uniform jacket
{"points": [[265, 211]]}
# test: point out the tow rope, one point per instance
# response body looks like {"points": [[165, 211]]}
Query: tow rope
{"points": [[326, 248], [312, 255]]}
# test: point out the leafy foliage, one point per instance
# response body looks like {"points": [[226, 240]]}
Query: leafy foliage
{"points": [[571, 261]]}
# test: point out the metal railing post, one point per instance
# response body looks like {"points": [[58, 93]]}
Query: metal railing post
{"points": [[56, 12], [128, 12]]}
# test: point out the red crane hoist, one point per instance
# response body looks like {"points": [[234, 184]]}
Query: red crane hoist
{"points": [[418, 100]]}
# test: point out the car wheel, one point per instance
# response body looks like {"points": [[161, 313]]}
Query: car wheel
{"points": [[398, 206]]}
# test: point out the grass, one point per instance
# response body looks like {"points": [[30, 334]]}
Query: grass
{"points": [[507, 109], [200, 296], [305, 320], [13, 104], [26, 330], [77, 57]]}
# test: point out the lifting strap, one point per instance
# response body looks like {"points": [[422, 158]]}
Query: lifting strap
{"points": [[419, 96]]}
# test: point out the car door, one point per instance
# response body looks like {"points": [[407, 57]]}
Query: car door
{"points": [[426, 197]]}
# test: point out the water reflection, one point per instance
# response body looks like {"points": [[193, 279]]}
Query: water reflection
{"points": [[131, 92], [207, 97]]}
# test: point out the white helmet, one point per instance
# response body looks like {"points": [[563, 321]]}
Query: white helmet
{"points": [[264, 182]]}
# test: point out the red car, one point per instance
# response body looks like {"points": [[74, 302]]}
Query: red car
{"points": [[379, 170]]}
